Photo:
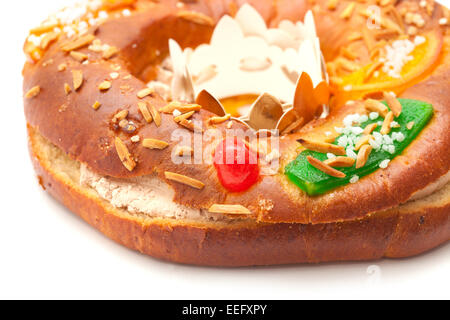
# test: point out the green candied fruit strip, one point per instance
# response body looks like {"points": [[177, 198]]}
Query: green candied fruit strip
{"points": [[315, 182]]}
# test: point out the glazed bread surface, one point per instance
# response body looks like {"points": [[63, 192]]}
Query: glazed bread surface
{"points": [[142, 43]]}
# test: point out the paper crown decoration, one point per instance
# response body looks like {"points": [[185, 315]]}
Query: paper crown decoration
{"points": [[283, 66]]}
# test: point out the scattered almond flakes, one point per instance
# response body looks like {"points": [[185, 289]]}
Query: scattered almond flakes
{"points": [[62, 67], [340, 162], [145, 92], [386, 128], [77, 79], [78, 43], [370, 72], [369, 128], [124, 154], [47, 63], [96, 105], [144, 111], [235, 209], [188, 124], [348, 11], [119, 116], [80, 57], [184, 116], [362, 141], [219, 120], [368, 39], [105, 85], [110, 52], [182, 107], [316, 163], [376, 106], [196, 17], [410, 125], [43, 28], [184, 180], [393, 103], [322, 147], [332, 4], [33, 92], [47, 39], [155, 114], [154, 144], [67, 88], [363, 156], [355, 36], [62, 108]]}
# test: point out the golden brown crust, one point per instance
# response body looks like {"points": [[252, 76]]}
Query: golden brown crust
{"points": [[402, 232], [69, 121]]}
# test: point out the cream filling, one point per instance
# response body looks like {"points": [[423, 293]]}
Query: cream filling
{"points": [[150, 196], [431, 188], [144, 195]]}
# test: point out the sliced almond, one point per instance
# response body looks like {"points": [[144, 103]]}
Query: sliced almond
{"points": [[340, 162], [368, 39], [78, 43], [155, 115], [184, 116], [332, 4], [110, 52], [124, 154], [362, 141], [105, 85], [67, 88], [376, 106], [62, 67], [322, 147], [393, 103], [96, 105], [145, 92], [234, 209], [48, 38], [348, 11], [80, 57], [369, 128], [363, 156], [77, 79], [410, 125], [219, 120], [348, 54], [144, 111], [347, 65], [316, 163], [355, 36], [386, 128], [119, 116], [188, 124], [182, 107], [374, 67], [184, 180], [33, 92], [196, 17], [154, 144], [43, 28]]}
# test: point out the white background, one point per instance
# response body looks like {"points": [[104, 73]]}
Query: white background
{"points": [[48, 252]]}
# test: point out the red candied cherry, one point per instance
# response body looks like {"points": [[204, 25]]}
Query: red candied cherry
{"points": [[236, 165]]}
